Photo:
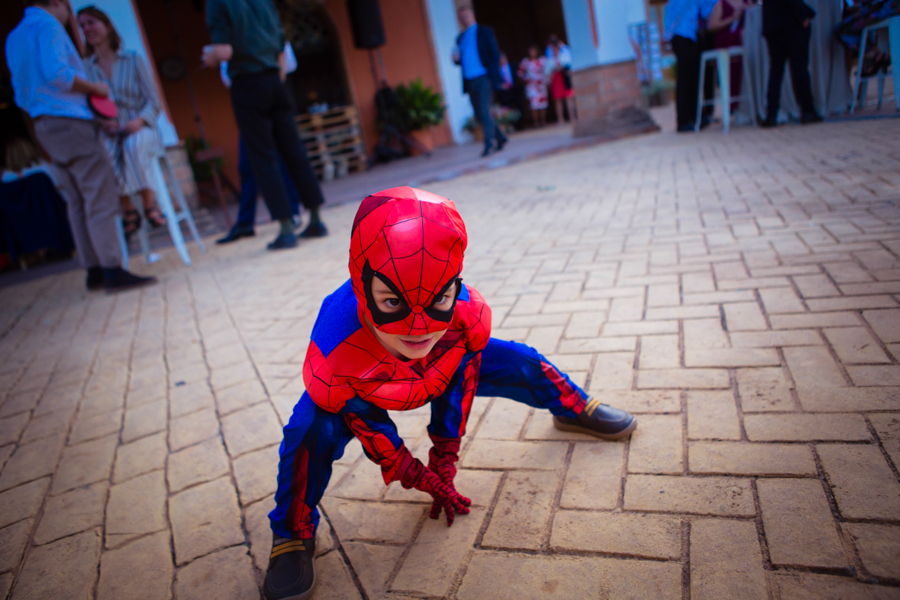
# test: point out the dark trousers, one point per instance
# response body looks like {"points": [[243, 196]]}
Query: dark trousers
{"points": [[481, 93], [247, 202], [789, 44], [264, 112], [687, 52]]}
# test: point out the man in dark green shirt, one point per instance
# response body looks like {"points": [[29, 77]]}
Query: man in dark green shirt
{"points": [[248, 34]]}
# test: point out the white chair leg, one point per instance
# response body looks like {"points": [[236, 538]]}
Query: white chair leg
{"points": [[894, 43], [746, 85], [700, 100], [183, 207], [123, 243], [859, 67], [723, 66], [165, 204]]}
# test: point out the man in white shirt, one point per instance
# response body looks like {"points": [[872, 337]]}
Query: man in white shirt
{"points": [[51, 85]]}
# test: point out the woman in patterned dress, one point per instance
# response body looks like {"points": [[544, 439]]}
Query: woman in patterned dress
{"points": [[132, 140], [533, 71]]}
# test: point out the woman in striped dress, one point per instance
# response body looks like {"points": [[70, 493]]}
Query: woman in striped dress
{"points": [[132, 140]]}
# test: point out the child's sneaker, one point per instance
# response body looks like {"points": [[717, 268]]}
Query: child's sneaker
{"points": [[599, 420], [292, 571]]}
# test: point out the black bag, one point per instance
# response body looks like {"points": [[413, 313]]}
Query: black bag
{"points": [[567, 77]]}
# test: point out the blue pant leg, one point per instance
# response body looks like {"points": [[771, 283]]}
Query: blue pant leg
{"points": [[518, 372], [247, 201], [313, 440]]}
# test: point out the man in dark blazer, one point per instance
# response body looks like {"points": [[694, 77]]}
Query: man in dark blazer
{"points": [[479, 56], [786, 29]]}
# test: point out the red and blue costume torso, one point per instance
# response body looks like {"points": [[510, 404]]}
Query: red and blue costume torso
{"points": [[413, 241]]}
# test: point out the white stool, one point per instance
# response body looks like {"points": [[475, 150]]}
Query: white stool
{"points": [[723, 56], [173, 217], [892, 24]]}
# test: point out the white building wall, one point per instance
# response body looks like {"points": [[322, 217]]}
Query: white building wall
{"points": [[444, 29], [121, 13]]}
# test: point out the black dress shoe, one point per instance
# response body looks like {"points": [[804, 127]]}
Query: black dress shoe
{"points": [[283, 242], [686, 128], [599, 420], [487, 151], [237, 232], [118, 279], [501, 141], [292, 570], [314, 230], [807, 118], [95, 279], [769, 123]]}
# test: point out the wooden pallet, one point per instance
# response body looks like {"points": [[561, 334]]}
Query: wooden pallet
{"points": [[333, 142]]}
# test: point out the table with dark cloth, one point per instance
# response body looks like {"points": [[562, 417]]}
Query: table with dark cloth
{"points": [[831, 88], [33, 217]]}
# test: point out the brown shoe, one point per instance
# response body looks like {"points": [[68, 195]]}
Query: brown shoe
{"points": [[599, 420]]}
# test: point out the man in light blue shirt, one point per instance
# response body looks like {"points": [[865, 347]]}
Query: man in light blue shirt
{"points": [[479, 56], [683, 22], [50, 84]]}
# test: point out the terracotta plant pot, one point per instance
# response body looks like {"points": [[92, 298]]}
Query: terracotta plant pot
{"points": [[424, 137]]}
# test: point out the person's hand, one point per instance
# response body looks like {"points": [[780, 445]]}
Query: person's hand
{"points": [[213, 54], [101, 89], [442, 460], [110, 126], [424, 479], [134, 125]]}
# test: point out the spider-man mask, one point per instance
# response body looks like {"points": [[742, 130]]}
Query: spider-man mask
{"points": [[413, 241]]}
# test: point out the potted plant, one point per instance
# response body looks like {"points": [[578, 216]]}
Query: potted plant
{"points": [[419, 108]]}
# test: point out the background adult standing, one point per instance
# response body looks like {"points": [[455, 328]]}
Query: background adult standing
{"points": [[479, 56], [249, 36], [786, 29], [682, 30], [560, 61], [51, 85]]}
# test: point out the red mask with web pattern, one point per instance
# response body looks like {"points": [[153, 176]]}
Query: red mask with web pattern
{"points": [[413, 241]]}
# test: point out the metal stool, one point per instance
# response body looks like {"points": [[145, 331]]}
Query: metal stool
{"points": [[173, 217], [892, 24], [723, 56]]}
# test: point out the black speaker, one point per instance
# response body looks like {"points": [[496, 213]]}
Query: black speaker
{"points": [[365, 19]]}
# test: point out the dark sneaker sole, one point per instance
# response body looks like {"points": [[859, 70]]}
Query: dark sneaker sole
{"points": [[603, 436], [305, 595]]}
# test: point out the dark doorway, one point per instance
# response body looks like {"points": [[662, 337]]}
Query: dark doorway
{"points": [[519, 24], [319, 77]]}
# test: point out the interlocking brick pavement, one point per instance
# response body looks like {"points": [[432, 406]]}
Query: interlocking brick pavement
{"points": [[740, 293]]}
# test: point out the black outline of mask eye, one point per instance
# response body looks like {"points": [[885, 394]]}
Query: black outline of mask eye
{"points": [[383, 318]]}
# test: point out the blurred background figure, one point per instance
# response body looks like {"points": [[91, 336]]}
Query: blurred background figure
{"points": [[132, 140], [478, 54], [682, 29], [786, 29], [246, 219], [727, 25], [560, 63], [533, 71], [857, 17]]}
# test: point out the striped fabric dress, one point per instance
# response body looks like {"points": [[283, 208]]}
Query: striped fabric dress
{"points": [[131, 86]]}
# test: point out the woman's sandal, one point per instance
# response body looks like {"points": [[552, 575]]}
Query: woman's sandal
{"points": [[131, 221], [154, 216]]}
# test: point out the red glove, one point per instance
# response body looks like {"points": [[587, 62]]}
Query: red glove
{"points": [[418, 476], [442, 460]]}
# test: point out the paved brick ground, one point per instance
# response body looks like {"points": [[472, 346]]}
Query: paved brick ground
{"points": [[741, 293]]}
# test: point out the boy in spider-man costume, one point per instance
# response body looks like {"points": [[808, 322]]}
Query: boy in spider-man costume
{"points": [[402, 332]]}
